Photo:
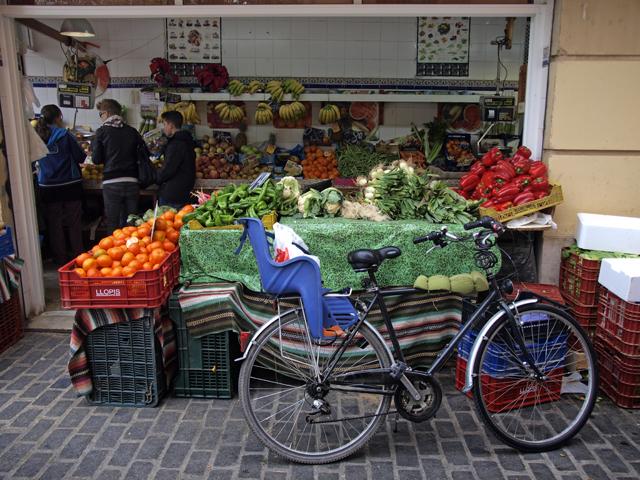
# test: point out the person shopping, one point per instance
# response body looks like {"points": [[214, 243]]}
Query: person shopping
{"points": [[116, 146], [178, 175], [60, 185]]}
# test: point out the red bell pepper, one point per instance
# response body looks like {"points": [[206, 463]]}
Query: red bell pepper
{"points": [[540, 195], [488, 204], [507, 193], [538, 169], [491, 157], [524, 197], [524, 151], [503, 206], [503, 174], [507, 166], [540, 184], [521, 165], [469, 181], [522, 181], [477, 169], [488, 179]]}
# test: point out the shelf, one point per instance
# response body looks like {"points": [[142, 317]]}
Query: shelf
{"points": [[337, 97]]}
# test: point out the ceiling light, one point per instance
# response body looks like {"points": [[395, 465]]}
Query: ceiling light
{"points": [[77, 27]]}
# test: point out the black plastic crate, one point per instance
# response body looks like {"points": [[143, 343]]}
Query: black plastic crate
{"points": [[125, 362], [206, 366]]}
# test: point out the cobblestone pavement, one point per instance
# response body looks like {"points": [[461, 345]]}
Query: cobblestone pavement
{"points": [[46, 432]]}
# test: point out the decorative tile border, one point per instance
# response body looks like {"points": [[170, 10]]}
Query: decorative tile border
{"points": [[443, 84]]}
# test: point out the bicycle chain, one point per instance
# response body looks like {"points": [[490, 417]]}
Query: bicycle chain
{"points": [[352, 418]]}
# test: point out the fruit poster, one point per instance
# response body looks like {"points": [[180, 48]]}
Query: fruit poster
{"points": [[194, 40], [443, 47], [461, 117]]}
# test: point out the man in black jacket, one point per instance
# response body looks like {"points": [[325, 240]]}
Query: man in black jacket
{"points": [[178, 175], [116, 146]]}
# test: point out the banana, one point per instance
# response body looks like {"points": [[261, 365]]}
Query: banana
{"points": [[255, 86], [273, 85], [224, 113], [337, 112], [219, 107], [236, 88]]}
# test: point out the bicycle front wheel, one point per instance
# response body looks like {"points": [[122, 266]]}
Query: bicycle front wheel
{"points": [[529, 411], [293, 413]]}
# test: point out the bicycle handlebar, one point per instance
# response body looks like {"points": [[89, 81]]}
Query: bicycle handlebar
{"points": [[430, 237], [440, 237], [485, 222]]}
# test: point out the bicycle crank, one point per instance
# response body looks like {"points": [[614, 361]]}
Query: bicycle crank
{"points": [[430, 397]]}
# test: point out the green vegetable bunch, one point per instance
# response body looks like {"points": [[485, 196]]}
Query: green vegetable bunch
{"points": [[355, 160]]}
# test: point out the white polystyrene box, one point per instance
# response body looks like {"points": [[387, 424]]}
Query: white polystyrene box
{"points": [[608, 233], [622, 277]]}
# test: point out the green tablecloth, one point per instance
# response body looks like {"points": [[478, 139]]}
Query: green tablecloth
{"points": [[208, 255]]}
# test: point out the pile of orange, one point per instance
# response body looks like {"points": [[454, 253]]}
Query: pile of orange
{"points": [[131, 249], [319, 163]]}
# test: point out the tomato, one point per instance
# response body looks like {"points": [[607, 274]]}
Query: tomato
{"points": [[144, 231], [80, 272], [129, 230], [134, 247], [128, 272], [157, 266], [88, 264], [93, 272], [157, 256], [146, 266], [142, 257], [135, 265], [127, 258], [81, 258], [116, 272], [161, 224], [159, 235], [115, 253], [119, 242], [106, 243], [168, 246], [173, 236], [178, 224], [106, 272], [104, 261], [98, 252], [116, 264], [187, 209], [168, 215], [152, 246]]}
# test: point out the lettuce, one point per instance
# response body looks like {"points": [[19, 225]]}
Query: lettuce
{"points": [[331, 201], [310, 204]]}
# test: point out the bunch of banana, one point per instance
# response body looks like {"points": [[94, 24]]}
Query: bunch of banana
{"points": [[236, 88], [255, 86], [274, 88], [294, 87], [229, 113], [187, 109], [264, 114], [292, 112], [329, 114]]}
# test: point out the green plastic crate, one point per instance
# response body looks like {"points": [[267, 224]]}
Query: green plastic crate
{"points": [[126, 364], [206, 366]]}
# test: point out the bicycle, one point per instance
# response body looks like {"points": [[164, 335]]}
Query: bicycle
{"points": [[317, 380]]}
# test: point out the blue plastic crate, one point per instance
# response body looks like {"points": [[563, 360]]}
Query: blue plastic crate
{"points": [[496, 364], [6, 243]]}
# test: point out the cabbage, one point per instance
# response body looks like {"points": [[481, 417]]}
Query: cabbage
{"points": [[291, 188], [332, 201], [310, 203]]}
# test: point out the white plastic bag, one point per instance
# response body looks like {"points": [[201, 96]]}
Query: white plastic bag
{"points": [[287, 244]]}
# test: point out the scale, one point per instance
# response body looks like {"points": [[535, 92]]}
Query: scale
{"points": [[76, 95]]}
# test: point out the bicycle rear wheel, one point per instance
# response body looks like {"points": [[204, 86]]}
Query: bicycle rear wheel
{"points": [[529, 413], [281, 397]]}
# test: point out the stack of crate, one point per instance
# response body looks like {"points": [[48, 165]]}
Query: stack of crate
{"points": [[618, 347], [579, 288]]}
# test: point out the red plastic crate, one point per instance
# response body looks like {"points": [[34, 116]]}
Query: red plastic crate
{"points": [[618, 382], [628, 344], [588, 269], [550, 291], [618, 311], [10, 321], [578, 289], [145, 289], [501, 393], [610, 343]]}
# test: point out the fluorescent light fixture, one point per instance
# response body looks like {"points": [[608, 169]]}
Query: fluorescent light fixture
{"points": [[77, 28]]}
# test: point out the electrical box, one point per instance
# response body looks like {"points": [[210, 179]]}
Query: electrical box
{"points": [[76, 95]]}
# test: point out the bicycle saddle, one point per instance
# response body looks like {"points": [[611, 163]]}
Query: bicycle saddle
{"points": [[366, 259]]}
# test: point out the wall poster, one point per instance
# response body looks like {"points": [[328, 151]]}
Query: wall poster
{"points": [[443, 47], [194, 40]]}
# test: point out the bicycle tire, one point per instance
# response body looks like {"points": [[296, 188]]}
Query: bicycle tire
{"points": [[584, 412], [315, 459]]}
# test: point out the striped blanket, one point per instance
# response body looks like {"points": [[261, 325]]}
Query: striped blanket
{"points": [[10, 270], [87, 321], [424, 323]]}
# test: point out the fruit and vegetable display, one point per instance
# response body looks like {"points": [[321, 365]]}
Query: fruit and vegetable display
{"points": [[229, 113], [133, 248], [400, 192], [357, 160], [327, 203], [214, 159], [91, 171], [503, 183], [264, 114], [319, 163], [292, 112], [464, 283], [329, 114], [187, 109]]}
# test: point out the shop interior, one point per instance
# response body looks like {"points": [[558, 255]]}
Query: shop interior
{"points": [[438, 91]]}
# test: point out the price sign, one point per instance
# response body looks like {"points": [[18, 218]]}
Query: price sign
{"points": [[76, 95]]}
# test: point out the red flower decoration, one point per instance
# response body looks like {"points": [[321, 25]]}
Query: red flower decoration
{"points": [[213, 77]]}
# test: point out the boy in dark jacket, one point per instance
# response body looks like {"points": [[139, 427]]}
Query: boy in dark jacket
{"points": [[178, 175], [116, 146], [60, 185]]}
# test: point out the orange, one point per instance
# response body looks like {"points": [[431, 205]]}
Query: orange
{"points": [[88, 264], [117, 233], [99, 251], [106, 243], [142, 257], [129, 230], [119, 242], [136, 234], [93, 272], [169, 215], [104, 261], [115, 253], [116, 264], [157, 266], [106, 272], [127, 258], [146, 266], [81, 273], [178, 224], [173, 236], [159, 235], [152, 246], [157, 256], [187, 209], [168, 246], [128, 272], [161, 224], [144, 231], [134, 247], [135, 265], [145, 241], [116, 272], [81, 258]]}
